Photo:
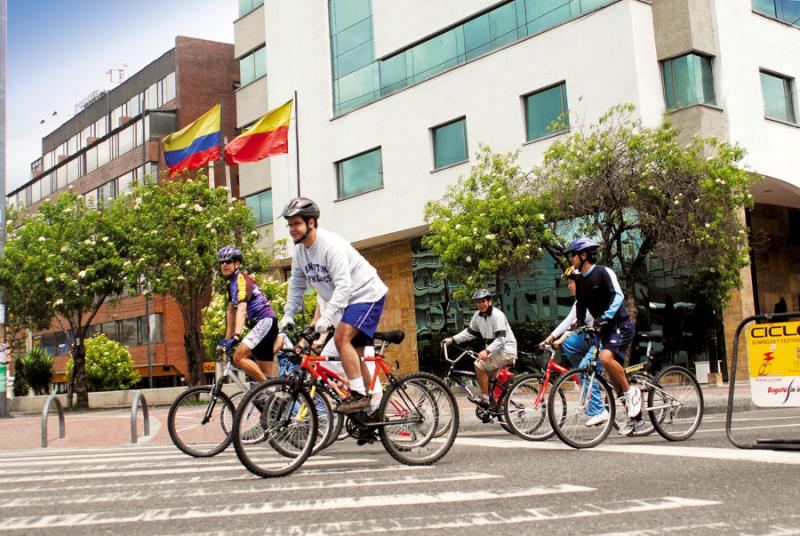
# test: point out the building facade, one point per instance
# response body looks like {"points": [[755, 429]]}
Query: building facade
{"points": [[99, 152], [394, 99]]}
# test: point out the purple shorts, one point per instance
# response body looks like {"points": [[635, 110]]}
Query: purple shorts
{"points": [[364, 316]]}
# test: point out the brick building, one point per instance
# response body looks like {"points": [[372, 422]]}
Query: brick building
{"points": [[113, 140]]}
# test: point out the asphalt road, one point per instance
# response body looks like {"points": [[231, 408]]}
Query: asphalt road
{"points": [[490, 482]]}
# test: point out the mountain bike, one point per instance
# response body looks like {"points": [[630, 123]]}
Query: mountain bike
{"points": [[200, 419], [674, 401], [405, 421], [487, 410]]}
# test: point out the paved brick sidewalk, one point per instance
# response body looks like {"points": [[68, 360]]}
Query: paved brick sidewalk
{"points": [[82, 429]]}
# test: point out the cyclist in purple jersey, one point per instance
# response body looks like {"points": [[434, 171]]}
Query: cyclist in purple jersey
{"points": [[247, 306]]}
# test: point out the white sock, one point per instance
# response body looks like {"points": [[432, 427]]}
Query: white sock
{"points": [[630, 390], [357, 385]]}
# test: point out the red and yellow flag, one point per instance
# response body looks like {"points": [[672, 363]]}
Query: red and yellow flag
{"points": [[268, 136]]}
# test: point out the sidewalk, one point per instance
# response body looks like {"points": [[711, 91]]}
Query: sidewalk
{"points": [[111, 427]]}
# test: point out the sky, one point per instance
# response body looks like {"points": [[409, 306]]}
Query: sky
{"points": [[59, 51]]}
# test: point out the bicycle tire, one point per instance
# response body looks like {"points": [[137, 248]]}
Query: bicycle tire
{"points": [[645, 426], [280, 422], [676, 387], [324, 430], [415, 443], [214, 436], [528, 419], [567, 405]]}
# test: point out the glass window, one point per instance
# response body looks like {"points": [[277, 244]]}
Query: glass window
{"points": [[126, 139], [359, 174], [106, 193], [544, 14], [91, 159], [100, 128], [246, 6], [73, 144], [437, 54], [261, 205], [36, 192], [357, 88], [134, 106], [47, 184], [346, 13], [151, 97], [103, 153], [393, 74], [124, 183], [785, 10], [450, 143], [170, 87], [129, 332], [688, 80], [116, 115], [253, 66], [543, 108], [74, 171], [477, 36], [778, 101]]}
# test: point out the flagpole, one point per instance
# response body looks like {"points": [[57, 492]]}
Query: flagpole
{"points": [[221, 134], [297, 139]]}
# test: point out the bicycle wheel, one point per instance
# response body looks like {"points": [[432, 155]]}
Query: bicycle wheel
{"points": [[194, 432], [643, 381], [337, 424], [676, 403], [295, 445], [567, 407], [440, 394], [525, 412], [288, 419], [411, 410]]}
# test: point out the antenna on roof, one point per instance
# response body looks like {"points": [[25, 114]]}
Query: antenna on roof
{"points": [[117, 75]]}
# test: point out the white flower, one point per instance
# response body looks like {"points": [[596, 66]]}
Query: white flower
{"points": [[197, 208], [209, 225], [189, 262], [490, 236], [527, 257], [474, 230], [104, 239], [718, 181], [88, 241], [48, 279], [82, 274], [182, 205], [677, 202], [126, 263], [254, 233], [541, 216], [230, 209], [468, 259], [64, 249], [180, 278], [58, 302], [167, 265], [458, 226], [697, 200], [478, 246], [42, 239], [708, 225]]}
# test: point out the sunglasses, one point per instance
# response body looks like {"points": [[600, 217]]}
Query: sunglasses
{"points": [[225, 262]]}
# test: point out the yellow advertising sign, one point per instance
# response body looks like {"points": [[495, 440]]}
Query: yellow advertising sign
{"points": [[208, 367], [774, 358]]}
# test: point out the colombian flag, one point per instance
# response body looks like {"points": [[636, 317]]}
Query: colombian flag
{"points": [[196, 144], [268, 136]]}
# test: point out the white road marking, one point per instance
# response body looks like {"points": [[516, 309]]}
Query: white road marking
{"points": [[277, 507], [739, 428], [204, 480], [149, 459], [156, 495], [687, 529], [171, 471], [761, 456], [428, 524], [84, 452]]}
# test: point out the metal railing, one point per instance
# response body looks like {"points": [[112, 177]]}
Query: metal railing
{"points": [[45, 412], [145, 415]]}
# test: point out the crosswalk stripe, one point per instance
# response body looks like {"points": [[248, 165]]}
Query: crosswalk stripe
{"points": [[714, 453], [136, 458], [85, 452], [156, 494], [155, 462], [171, 471], [427, 524], [277, 507], [205, 479]]}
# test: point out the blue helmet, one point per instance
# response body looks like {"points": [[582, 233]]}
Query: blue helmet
{"points": [[229, 253], [582, 244]]}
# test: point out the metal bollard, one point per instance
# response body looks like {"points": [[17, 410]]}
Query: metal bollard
{"points": [[145, 415], [45, 412]]}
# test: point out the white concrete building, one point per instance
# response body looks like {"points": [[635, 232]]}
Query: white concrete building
{"points": [[394, 99]]}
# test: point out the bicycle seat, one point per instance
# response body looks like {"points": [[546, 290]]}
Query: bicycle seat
{"points": [[394, 337], [651, 335]]}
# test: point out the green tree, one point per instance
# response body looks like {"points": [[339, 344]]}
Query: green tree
{"points": [[178, 227], [109, 365], [487, 224], [639, 191], [35, 370], [65, 260]]}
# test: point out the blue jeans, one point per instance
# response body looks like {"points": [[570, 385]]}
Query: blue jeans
{"points": [[578, 354]]}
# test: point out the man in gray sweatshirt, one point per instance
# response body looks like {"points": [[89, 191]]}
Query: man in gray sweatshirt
{"points": [[347, 283]]}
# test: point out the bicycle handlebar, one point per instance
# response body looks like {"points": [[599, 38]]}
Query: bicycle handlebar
{"points": [[464, 352]]}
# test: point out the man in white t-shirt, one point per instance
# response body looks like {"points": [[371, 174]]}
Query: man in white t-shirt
{"points": [[345, 281]]}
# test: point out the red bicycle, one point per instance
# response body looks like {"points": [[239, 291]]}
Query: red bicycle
{"points": [[526, 401]]}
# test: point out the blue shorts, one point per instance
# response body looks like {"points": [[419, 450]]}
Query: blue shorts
{"points": [[617, 338], [364, 316]]}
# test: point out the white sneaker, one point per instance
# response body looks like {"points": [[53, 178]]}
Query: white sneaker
{"points": [[629, 427], [595, 420], [633, 402]]}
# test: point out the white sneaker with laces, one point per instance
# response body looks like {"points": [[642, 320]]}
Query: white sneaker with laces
{"points": [[598, 419], [631, 425], [633, 402]]}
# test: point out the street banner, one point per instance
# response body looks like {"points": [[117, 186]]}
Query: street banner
{"points": [[774, 358]]}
